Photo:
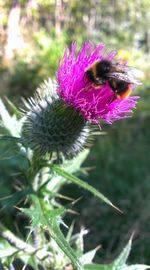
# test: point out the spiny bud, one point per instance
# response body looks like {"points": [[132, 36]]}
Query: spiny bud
{"points": [[52, 126]]}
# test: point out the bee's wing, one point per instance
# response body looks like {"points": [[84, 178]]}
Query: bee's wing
{"points": [[137, 73], [127, 77]]}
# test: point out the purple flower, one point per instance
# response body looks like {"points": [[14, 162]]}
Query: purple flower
{"points": [[97, 103]]}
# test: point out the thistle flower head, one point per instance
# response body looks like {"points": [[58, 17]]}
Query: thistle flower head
{"points": [[98, 103], [59, 119]]}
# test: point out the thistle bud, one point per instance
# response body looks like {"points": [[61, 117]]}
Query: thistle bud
{"points": [[53, 126]]}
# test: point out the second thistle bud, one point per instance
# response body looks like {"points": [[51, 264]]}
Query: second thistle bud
{"points": [[52, 126]]}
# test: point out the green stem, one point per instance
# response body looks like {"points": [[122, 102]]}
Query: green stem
{"points": [[21, 245]]}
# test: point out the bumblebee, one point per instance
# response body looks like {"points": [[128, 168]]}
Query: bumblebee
{"points": [[121, 78]]}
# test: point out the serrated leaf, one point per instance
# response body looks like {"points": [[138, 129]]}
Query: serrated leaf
{"points": [[72, 166], [75, 164], [82, 184], [38, 216], [43, 218], [122, 258], [58, 236], [119, 263], [89, 256]]}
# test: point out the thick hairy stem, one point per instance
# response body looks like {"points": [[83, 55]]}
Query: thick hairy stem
{"points": [[41, 254]]}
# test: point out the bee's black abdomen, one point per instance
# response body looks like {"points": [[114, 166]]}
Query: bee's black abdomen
{"points": [[118, 86], [121, 87], [90, 75]]}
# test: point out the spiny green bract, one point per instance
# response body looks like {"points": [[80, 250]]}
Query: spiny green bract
{"points": [[52, 126]]}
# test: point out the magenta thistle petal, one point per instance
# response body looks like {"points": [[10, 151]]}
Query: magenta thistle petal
{"points": [[96, 103]]}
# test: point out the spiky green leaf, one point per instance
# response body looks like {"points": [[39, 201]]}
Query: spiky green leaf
{"points": [[122, 258], [89, 256], [119, 263], [82, 184], [38, 214], [51, 221], [55, 182]]}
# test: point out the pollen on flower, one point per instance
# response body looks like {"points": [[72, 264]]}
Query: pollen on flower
{"points": [[95, 103]]}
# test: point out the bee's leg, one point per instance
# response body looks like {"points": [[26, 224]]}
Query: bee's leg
{"points": [[88, 87], [93, 85], [98, 84]]}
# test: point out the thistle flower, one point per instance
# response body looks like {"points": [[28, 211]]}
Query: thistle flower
{"points": [[61, 117], [99, 103]]}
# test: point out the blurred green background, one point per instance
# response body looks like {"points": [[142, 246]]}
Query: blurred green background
{"points": [[33, 35]]}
